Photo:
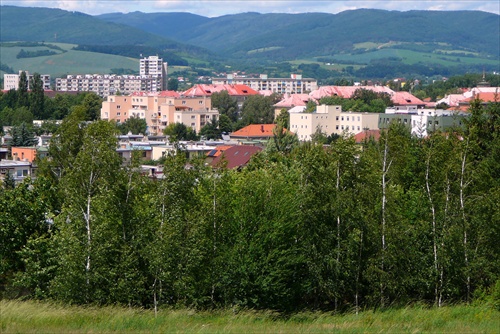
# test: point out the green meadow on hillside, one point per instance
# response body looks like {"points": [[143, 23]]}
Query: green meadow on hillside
{"points": [[69, 62], [35, 317], [413, 57]]}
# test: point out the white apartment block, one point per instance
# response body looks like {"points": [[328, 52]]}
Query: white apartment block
{"points": [[106, 84], [152, 78], [11, 81], [293, 85], [330, 120], [155, 68], [423, 121]]}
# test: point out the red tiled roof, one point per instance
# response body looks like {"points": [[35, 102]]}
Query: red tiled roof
{"points": [[405, 98], [236, 156], [255, 131], [293, 100], [346, 91], [207, 90], [485, 97], [364, 135], [169, 93]]}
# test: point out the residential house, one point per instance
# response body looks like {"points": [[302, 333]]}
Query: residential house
{"points": [[236, 156], [19, 170], [290, 101], [331, 120], [254, 132]]}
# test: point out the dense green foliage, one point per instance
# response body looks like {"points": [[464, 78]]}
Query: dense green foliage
{"points": [[301, 227], [134, 125], [25, 106]]}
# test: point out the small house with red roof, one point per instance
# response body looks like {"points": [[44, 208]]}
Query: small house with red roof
{"points": [[236, 156], [254, 132]]}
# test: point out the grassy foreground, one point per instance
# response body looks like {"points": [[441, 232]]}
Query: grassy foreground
{"points": [[34, 317]]}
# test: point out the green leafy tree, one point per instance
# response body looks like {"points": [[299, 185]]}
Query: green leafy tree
{"points": [[211, 130], [225, 124], [22, 91], [173, 84], [225, 104], [22, 135], [179, 131], [134, 125], [90, 221], [92, 104], [257, 109], [37, 98]]}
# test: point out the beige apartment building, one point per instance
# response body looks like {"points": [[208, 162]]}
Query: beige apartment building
{"points": [[331, 120], [293, 85], [160, 109]]}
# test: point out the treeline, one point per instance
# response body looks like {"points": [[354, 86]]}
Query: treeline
{"points": [[344, 227], [24, 106], [34, 54]]}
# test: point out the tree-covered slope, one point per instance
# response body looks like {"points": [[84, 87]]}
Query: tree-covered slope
{"points": [[293, 35], [55, 25]]}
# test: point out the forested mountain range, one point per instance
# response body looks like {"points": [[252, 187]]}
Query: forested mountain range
{"points": [[315, 34], [56, 25], [362, 44]]}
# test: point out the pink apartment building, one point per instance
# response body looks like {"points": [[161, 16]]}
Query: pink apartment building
{"points": [[160, 109]]}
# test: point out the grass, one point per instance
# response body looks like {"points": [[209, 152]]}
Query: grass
{"points": [[413, 57], [70, 62], [45, 317]]}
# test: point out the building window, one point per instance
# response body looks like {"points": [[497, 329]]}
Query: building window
{"points": [[183, 102], [342, 118], [348, 118], [358, 128], [337, 118], [342, 127], [200, 102], [336, 127], [358, 119], [118, 114], [118, 107], [193, 116]]}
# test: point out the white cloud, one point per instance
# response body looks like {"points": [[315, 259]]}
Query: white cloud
{"points": [[213, 8]]}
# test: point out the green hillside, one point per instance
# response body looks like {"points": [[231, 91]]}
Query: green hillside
{"points": [[324, 34], [68, 62]]}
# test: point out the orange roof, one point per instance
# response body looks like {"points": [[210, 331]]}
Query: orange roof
{"points": [[485, 97], [218, 150], [405, 98], [255, 131], [207, 90]]}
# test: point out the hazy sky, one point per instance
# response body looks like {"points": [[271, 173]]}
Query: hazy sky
{"points": [[217, 8]]}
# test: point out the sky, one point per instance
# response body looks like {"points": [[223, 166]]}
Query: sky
{"points": [[212, 8]]}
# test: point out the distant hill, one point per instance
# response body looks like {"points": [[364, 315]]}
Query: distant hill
{"points": [[55, 25], [290, 36]]}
